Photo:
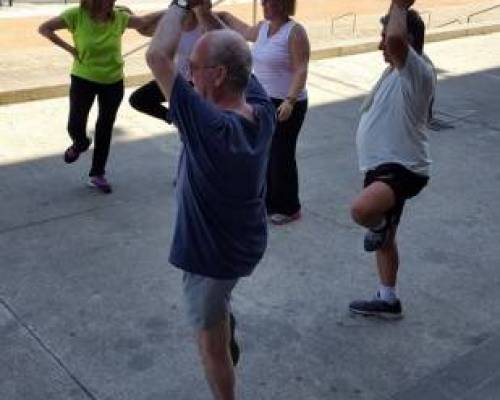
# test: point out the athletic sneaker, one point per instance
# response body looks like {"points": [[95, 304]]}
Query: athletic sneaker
{"points": [[378, 308], [233, 345], [72, 153], [375, 239], [100, 182], [282, 219]]}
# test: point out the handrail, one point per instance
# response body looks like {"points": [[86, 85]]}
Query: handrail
{"points": [[482, 12], [332, 28], [453, 21]]}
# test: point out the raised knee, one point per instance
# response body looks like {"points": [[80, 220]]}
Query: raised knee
{"points": [[134, 101], [359, 213]]}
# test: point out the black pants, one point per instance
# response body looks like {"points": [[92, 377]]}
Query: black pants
{"points": [[148, 99], [82, 94], [282, 176]]}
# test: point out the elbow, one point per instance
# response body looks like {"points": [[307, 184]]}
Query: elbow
{"points": [[395, 44], [42, 30]]}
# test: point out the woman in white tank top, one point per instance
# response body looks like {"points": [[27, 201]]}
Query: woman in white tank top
{"points": [[280, 61]]}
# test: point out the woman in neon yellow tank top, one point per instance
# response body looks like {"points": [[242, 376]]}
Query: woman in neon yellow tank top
{"points": [[97, 27]]}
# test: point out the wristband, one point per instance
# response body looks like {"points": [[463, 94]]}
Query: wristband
{"points": [[184, 4]]}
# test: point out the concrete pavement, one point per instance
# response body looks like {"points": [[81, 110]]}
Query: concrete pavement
{"points": [[90, 308]]}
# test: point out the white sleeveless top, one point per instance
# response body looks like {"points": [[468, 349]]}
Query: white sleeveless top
{"points": [[272, 62], [184, 49]]}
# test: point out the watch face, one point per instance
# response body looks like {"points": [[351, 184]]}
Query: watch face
{"points": [[183, 3]]}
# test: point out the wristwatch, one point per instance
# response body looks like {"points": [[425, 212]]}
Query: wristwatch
{"points": [[182, 4]]}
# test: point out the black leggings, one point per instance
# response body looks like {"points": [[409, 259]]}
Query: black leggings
{"points": [[282, 176], [148, 99], [82, 94]]}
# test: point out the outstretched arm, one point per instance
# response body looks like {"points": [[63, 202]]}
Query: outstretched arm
{"points": [[249, 32], [145, 24]]}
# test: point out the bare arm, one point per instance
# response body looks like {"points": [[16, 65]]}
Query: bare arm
{"points": [[161, 53], [396, 34], [145, 24], [48, 28], [249, 32], [207, 18], [300, 51]]}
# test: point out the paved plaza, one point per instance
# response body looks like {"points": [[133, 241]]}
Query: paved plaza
{"points": [[91, 309]]}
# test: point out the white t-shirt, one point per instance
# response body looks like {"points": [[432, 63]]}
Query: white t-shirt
{"points": [[393, 129], [272, 63]]}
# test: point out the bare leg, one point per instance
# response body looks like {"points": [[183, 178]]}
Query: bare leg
{"points": [[368, 210], [213, 345], [388, 262], [371, 205]]}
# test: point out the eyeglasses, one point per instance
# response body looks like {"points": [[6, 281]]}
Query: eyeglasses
{"points": [[192, 67]]}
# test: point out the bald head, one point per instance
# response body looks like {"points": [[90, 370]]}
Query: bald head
{"points": [[229, 49]]}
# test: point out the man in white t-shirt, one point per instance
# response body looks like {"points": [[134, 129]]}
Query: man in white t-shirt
{"points": [[392, 146]]}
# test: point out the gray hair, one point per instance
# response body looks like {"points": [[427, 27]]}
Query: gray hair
{"points": [[230, 50]]}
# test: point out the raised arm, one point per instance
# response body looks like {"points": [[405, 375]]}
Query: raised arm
{"points": [[396, 32], [250, 33], [208, 19], [300, 51], [161, 53], [48, 29]]}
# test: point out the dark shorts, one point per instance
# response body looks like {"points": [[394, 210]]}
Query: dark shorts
{"points": [[404, 183]]}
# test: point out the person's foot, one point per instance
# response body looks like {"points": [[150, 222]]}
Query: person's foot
{"points": [[282, 219], [73, 152], [375, 239], [99, 182], [377, 308], [233, 345]]}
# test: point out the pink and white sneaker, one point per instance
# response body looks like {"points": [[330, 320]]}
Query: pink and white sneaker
{"points": [[99, 182]]}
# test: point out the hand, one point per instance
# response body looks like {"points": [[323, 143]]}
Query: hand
{"points": [[405, 4], [203, 6], [196, 3], [284, 110], [74, 52]]}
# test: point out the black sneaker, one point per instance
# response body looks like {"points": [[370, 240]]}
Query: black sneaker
{"points": [[376, 239], [233, 345], [377, 308], [73, 152]]}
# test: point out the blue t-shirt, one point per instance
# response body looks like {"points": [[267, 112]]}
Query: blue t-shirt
{"points": [[221, 228]]}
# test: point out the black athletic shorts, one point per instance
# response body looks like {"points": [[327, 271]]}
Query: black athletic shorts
{"points": [[404, 183]]}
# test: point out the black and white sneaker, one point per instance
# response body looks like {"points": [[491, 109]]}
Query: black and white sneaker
{"points": [[375, 239], [377, 308]]}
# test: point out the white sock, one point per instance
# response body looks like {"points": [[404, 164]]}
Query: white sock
{"points": [[387, 293]]}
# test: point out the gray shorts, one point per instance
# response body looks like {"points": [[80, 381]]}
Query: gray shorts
{"points": [[207, 299]]}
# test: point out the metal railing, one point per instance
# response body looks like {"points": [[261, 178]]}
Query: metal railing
{"points": [[453, 21], [469, 17], [335, 19]]}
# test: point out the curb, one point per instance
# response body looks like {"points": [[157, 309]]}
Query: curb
{"points": [[371, 44], [348, 48]]}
